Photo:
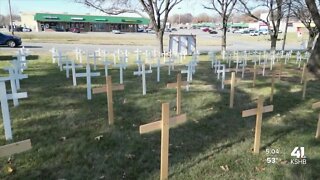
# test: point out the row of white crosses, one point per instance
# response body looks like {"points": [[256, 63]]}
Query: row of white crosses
{"points": [[15, 75]]}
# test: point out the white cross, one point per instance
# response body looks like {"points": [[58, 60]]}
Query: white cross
{"points": [[170, 64], [79, 54], [73, 69], [223, 74], [67, 67], [158, 65], [212, 56], [188, 71], [54, 54], [15, 74], [143, 73], [122, 65], [5, 108], [88, 74], [94, 56], [12, 83], [106, 64]]}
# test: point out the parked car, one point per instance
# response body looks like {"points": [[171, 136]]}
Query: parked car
{"points": [[116, 31], [211, 31], [254, 33], [9, 40], [205, 29], [26, 30], [237, 31], [141, 30], [264, 31], [174, 29], [58, 29], [74, 30]]}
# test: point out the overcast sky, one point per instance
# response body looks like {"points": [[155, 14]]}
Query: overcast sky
{"points": [[58, 6]]}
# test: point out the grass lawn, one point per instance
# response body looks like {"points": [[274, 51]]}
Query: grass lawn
{"points": [[62, 125]]}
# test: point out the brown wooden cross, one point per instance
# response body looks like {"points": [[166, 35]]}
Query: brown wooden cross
{"points": [[272, 86], [232, 82], [178, 85], [305, 81], [303, 72], [258, 112], [254, 75], [108, 88], [164, 125], [315, 106], [17, 147]]}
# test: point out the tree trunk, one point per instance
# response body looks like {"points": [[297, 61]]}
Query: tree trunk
{"points": [[311, 39], [313, 64], [273, 42], [224, 41], [160, 41]]}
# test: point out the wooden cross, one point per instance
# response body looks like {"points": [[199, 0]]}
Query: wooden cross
{"points": [[223, 74], [315, 106], [178, 85], [4, 97], [305, 81], [88, 74], [232, 82], [143, 73], [254, 75], [272, 87], [108, 88], [303, 72], [280, 70], [14, 148], [164, 125], [258, 112]]}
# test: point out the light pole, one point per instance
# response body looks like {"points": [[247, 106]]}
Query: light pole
{"points": [[11, 22], [179, 16]]}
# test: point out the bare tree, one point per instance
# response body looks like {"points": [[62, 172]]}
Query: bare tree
{"points": [[314, 61], [224, 8], [301, 12], [157, 10], [275, 14], [203, 17]]}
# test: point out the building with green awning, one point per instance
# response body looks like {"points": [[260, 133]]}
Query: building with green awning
{"points": [[86, 23]]}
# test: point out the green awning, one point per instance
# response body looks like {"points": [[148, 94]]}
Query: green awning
{"points": [[45, 17]]}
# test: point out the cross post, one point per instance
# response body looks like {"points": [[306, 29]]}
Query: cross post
{"points": [[258, 112], [108, 90]]}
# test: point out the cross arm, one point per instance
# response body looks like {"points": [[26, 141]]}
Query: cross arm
{"points": [[316, 105], [174, 121], [14, 148], [174, 85], [252, 112], [103, 89]]}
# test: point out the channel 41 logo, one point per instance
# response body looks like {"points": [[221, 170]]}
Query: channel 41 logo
{"points": [[300, 157]]}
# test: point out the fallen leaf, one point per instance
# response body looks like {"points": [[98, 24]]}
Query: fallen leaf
{"points": [[10, 169], [225, 168], [98, 138]]}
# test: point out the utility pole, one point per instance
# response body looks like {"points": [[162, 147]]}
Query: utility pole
{"points": [[286, 29], [11, 22]]}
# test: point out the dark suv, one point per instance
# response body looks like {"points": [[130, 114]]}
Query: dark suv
{"points": [[9, 40]]}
